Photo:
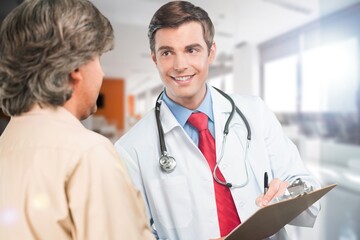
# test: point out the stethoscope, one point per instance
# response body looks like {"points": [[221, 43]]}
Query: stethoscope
{"points": [[168, 163]]}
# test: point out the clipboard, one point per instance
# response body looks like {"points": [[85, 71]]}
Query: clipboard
{"points": [[270, 219]]}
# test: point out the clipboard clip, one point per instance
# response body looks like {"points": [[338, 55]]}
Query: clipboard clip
{"points": [[299, 188], [296, 189]]}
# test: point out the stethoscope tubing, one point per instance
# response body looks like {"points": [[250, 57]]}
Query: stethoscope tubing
{"points": [[168, 163]]}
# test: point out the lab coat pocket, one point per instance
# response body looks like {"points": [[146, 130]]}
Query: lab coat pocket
{"points": [[172, 201]]}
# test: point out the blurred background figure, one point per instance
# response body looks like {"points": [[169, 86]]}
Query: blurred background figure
{"points": [[301, 57]]}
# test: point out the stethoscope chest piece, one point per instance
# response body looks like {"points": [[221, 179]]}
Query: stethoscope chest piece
{"points": [[167, 163]]}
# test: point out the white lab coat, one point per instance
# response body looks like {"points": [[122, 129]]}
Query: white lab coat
{"points": [[182, 203]]}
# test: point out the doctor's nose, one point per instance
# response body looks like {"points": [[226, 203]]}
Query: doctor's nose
{"points": [[180, 63]]}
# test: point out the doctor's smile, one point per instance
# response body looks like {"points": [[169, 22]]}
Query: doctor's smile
{"points": [[183, 78]]}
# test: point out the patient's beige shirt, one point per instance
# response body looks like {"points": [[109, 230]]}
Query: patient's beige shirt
{"points": [[59, 180]]}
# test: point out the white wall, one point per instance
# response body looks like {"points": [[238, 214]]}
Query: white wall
{"points": [[246, 69]]}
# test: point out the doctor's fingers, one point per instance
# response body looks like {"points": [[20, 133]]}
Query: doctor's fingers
{"points": [[282, 188], [276, 188], [260, 201]]}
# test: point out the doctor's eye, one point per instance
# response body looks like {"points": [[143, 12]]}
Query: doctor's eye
{"points": [[165, 53], [192, 50]]}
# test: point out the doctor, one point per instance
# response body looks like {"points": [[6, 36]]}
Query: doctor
{"points": [[196, 184]]}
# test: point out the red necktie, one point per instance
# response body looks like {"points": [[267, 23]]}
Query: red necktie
{"points": [[227, 214]]}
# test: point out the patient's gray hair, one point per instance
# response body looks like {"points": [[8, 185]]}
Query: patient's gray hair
{"points": [[41, 43]]}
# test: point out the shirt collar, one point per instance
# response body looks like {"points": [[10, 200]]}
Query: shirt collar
{"points": [[58, 112], [182, 114]]}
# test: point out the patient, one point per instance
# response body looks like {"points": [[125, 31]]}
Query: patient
{"points": [[59, 180]]}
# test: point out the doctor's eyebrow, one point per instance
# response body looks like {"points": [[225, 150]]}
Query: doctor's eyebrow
{"points": [[164, 48], [194, 45], [191, 46]]}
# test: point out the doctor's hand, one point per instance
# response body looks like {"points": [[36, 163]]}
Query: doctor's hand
{"points": [[217, 238], [276, 189]]}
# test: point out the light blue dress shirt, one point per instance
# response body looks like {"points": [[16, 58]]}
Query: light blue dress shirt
{"points": [[182, 114]]}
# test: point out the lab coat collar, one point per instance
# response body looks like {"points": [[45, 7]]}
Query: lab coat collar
{"points": [[220, 104], [182, 113], [219, 101], [167, 119], [221, 110]]}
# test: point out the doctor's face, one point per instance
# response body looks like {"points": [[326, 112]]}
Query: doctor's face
{"points": [[182, 59]]}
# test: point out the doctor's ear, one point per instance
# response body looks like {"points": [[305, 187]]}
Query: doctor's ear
{"points": [[212, 52], [153, 57]]}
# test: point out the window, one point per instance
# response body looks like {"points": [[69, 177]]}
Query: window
{"points": [[310, 77], [330, 77], [280, 84]]}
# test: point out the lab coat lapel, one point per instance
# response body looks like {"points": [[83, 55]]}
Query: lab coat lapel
{"points": [[168, 120], [221, 110]]}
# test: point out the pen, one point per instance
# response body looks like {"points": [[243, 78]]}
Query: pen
{"points": [[266, 182]]}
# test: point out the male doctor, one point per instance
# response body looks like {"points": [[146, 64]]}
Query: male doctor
{"points": [[192, 197]]}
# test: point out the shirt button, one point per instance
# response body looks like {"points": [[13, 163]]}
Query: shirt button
{"points": [[241, 204]]}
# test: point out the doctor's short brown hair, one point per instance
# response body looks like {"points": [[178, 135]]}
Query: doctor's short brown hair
{"points": [[41, 43], [175, 13]]}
